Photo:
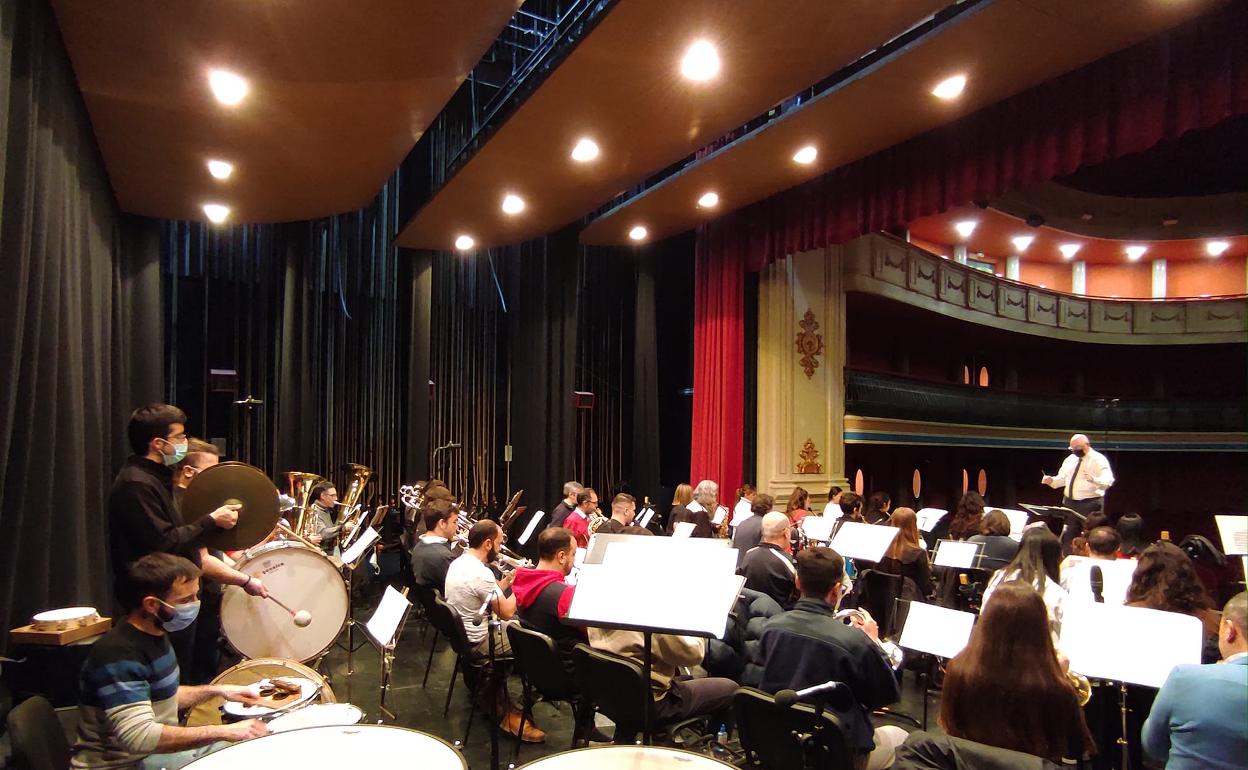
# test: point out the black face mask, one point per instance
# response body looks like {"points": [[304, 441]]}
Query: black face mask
{"points": [[1077, 452]]}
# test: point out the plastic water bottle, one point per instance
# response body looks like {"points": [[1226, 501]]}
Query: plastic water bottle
{"points": [[721, 742]]}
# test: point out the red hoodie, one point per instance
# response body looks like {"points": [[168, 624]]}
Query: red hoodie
{"points": [[530, 583]]}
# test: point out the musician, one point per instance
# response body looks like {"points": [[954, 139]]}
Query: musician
{"points": [[1007, 688], [1084, 477], [798, 506], [623, 514], [432, 555], [1077, 572], [1037, 565], [324, 506], [698, 510], [566, 505], [1197, 720], [998, 547], [768, 567], [577, 522], [542, 594], [906, 557], [130, 692], [474, 593], [833, 507], [744, 507], [143, 518], [808, 646], [1165, 579], [878, 505], [749, 532]]}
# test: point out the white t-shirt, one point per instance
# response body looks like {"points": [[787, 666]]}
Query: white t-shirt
{"points": [[1054, 595], [469, 584], [742, 511]]}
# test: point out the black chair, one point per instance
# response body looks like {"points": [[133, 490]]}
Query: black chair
{"points": [[37, 740], [617, 686], [770, 734], [545, 679], [878, 596], [424, 600], [446, 620]]}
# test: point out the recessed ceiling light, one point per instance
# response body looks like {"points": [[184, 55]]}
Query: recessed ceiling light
{"points": [[229, 88], [638, 233], [965, 227], [1021, 242], [585, 151], [220, 169], [1069, 250], [950, 88], [216, 213], [464, 242], [1216, 248], [806, 155], [512, 204], [1135, 252], [701, 61], [709, 200]]}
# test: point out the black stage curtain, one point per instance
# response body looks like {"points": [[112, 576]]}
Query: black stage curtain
{"points": [[307, 319], [81, 338]]}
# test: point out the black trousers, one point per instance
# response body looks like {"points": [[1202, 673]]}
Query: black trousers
{"points": [[1074, 527]]}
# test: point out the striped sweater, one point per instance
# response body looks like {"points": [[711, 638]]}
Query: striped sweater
{"points": [[128, 689]]}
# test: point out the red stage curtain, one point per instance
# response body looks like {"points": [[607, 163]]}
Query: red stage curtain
{"points": [[718, 362], [1191, 77]]}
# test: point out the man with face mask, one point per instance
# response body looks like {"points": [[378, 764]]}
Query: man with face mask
{"points": [[130, 693], [1083, 478], [143, 518]]}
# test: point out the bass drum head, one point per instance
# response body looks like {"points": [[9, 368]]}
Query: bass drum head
{"points": [[625, 758], [303, 579], [377, 747], [317, 715], [250, 672]]}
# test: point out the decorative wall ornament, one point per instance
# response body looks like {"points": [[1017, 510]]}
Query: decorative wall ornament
{"points": [[808, 455], [809, 344]]}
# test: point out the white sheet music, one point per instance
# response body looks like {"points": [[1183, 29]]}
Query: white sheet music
{"points": [[1234, 532], [683, 529], [528, 530], [720, 513], [384, 623], [818, 528], [955, 553], [936, 630], [859, 540], [644, 519], [928, 518], [1128, 644], [362, 543]]}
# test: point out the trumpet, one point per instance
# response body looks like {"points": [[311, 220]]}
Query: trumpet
{"points": [[1083, 687], [896, 657]]}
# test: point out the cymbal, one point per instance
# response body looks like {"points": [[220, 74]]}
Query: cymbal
{"points": [[237, 484]]}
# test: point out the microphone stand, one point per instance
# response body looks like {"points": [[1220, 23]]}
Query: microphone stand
{"points": [[493, 626]]}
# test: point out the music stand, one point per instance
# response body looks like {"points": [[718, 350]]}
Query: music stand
{"points": [[1234, 531], [383, 630], [935, 630], [350, 560], [1051, 514], [607, 596], [859, 540], [958, 554]]}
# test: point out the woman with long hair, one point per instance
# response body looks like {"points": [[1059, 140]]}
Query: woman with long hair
{"points": [[742, 509], [797, 507], [679, 511], [1035, 564], [906, 557], [1165, 579], [877, 508], [1131, 531], [968, 516], [1008, 689]]}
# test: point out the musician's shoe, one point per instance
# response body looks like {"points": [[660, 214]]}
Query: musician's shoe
{"points": [[510, 724]]}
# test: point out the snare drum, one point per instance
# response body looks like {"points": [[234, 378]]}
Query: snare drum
{"points": [[252, 671], [318, 715], [626, 758], [378, 747], [304, 579]]}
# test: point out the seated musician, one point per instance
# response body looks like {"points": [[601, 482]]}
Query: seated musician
{"points": [[1035, 564], [798, 506], [698, 511], [130, 696], [324, 505], [807, 646], [998, 547], [749, 531], [470, 588], [832, 509], [1165, 579], [877, 510], [542, 596], [1008, 688], [768, 567], [564, 509], [623, 514], [577, 521], [432, 555], [1077, 571], [907, 557]]}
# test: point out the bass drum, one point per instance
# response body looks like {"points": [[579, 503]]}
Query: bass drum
{"points": [[251, 671], [303, 579]]}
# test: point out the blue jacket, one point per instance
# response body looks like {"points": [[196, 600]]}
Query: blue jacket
{"points": [[1200, 718]]}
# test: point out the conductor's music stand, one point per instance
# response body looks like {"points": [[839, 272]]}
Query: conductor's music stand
{"points": [[1053, 514], [383, 630]]}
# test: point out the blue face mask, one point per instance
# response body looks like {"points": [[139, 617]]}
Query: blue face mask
{"points": [[183, 615], [179, 452]]}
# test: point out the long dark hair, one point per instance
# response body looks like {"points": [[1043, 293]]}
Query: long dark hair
{"points": [[966, 518], [1006, 689], [1038, 557], [1131, 530], [797, 501], [875, 504], [1166, 580]]}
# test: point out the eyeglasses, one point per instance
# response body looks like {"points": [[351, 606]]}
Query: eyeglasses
{"points": [[176, 437]]}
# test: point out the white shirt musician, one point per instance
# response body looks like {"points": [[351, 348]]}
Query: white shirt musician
{"points": [[1084, 477]]}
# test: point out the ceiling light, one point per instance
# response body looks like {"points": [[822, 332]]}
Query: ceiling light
{"points": [[1216, 248], [585, 151], [1135, 252], [230, 89], [512, 204], [638, 233], [806, 155], [464, 242], [701, 61], [1069, 250], [220, 169], [965, 227], [216, 213], [950, 88], [1021, 242], [709, 200]]}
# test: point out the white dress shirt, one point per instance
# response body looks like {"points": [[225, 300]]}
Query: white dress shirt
{"points": [[1094, 476]]}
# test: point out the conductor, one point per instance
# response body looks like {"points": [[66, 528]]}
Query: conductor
{"points": [[1084, 477]]}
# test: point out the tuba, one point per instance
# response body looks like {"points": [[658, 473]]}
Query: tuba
{"points": [[350, 500], [301, 486]]}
